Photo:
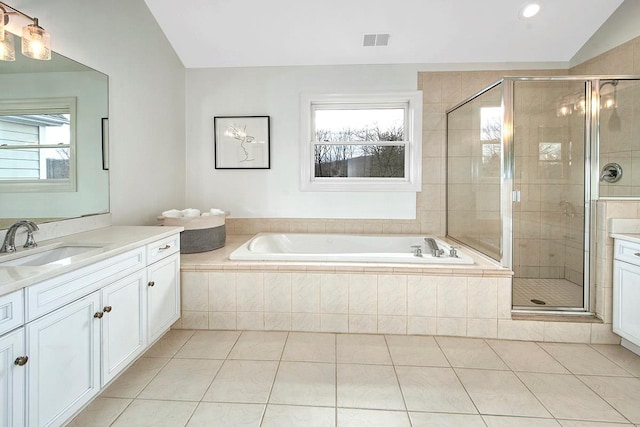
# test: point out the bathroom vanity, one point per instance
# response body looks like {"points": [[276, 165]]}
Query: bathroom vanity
{"points": [[626, 289], [76, 311]]}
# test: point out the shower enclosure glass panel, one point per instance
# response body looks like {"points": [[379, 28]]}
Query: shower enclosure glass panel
{"points": [[549, 193], [474, 135]]}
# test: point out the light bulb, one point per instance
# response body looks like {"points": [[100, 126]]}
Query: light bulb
{"points": [[36, 42], [7, 48]]}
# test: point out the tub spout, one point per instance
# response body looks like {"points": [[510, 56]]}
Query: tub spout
{"points": [[433, 247]]}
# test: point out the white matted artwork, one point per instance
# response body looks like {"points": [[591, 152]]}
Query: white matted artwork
{"points": [[241, 142]]}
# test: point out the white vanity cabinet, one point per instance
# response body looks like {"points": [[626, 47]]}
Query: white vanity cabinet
{"points": [[626, 292], [12, 378], [80, 329]]}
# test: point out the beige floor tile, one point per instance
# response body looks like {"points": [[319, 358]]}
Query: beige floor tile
{"points": [[494, 421], [156, 413], [182, 379], [208, 345], [433, 390], [305, 383], [581, 359], [621, 356], [101, 412], [525, 356], [297, 416], [353, 348], [226, 415], [368, 387], [253, 345], [622, 393], [310, 347], [169, 344], [372, 418], [567, 398], [500, 393], [428, 419], [243, 381], [415, 351], [132, 381], [470, 353]]}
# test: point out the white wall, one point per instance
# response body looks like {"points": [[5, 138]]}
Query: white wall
{"points": [[146, 97], [275, 91]]}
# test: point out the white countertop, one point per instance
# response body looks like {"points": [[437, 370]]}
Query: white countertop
{"points": [[111, 241], [629, 237]]}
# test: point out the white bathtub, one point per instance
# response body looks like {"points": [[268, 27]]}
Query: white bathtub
{"points": [[343, 247]]}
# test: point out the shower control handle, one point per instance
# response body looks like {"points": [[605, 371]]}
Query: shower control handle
{"points": [[611, 172], [417, 250]]}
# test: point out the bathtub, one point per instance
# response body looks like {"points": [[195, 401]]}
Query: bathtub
{"points": [[343, 247]]}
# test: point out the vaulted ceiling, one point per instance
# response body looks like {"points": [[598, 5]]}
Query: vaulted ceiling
{"points": [[239, 33]]}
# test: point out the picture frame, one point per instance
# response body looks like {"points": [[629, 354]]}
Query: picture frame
{"points": [[242, 142]]}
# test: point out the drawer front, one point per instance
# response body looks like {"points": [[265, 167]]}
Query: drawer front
{"points": [[11, 311], [627, 251], [163, 248], [51, 294]]}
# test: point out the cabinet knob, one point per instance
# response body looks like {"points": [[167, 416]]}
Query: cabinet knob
{"points": [[637, 254], [151, 284], [21, 361], [98, 315], [107, 309]]}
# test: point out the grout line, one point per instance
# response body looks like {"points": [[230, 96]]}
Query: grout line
{"points": [[275, 377], [395, 372]]}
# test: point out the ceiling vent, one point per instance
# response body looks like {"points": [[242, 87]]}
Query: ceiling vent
{"points": [[375, 40]]}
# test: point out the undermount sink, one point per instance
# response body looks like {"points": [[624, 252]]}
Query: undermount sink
{"points": [[60, 255]]}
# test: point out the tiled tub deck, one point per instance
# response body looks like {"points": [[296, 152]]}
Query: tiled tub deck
{"points": [[473, 301]]}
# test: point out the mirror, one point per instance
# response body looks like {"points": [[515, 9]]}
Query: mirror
{"points": [[44, 92]]}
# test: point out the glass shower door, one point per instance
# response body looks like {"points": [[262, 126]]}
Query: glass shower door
{"points": [[549, 194]]}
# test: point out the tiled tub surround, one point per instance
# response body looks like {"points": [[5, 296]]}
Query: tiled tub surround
{"points": [[472, 301]]}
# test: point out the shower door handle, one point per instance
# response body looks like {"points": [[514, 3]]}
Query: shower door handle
{"points": [[515, 196]]}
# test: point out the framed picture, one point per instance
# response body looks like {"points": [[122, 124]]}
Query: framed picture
{"points": [[241, 142]]}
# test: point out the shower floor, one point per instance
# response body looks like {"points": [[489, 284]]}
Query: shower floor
{"points": [[554, 292]]}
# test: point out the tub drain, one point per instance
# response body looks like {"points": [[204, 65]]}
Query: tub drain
{"points": [[539, 302]]}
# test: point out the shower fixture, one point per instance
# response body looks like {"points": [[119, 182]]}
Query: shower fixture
{"points": [[611, 172], [611, 103]]}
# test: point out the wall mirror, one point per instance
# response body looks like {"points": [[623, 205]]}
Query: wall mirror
{"points": [[51, 148]]}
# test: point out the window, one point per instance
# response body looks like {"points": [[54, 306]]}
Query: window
{"points": [[361, 142], [37, 145]]}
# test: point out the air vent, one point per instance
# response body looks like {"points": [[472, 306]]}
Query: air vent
{"points": [[375, 40]]}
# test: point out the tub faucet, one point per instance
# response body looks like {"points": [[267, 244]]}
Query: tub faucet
{"points": [[433, 247], [9, 244], [417, 250]]}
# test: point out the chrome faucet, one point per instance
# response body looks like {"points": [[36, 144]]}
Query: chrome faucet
{"points": [[9, 244], [433, 247]]}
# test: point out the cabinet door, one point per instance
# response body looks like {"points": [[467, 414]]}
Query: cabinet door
{"points": [[12, 379], [626, 300], [64, 361], [123, 324], [163, 295]]}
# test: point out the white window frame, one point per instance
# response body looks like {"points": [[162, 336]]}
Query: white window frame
{"points": [[44, 106], [411, 101]]}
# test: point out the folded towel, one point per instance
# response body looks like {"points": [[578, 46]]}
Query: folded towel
{"points": [[190, 212], [214, 211], [172, 213]]}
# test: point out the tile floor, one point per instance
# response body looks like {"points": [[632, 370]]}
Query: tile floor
{"points": [[555, 292], [229, 378]]}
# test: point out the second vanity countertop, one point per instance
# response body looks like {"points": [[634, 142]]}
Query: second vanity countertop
{"points": [[629, 237], [109, 241]]}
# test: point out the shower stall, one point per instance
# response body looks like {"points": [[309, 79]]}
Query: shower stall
{"points": [[526, 160]]}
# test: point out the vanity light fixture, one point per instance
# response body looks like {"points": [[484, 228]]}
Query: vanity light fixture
{"points": [[529, 10], [36, 42]]}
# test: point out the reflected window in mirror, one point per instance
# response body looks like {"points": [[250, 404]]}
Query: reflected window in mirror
{"points": [[37, 145]]}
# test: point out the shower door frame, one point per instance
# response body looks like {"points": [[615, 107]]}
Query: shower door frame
{"points": [[509, 195]]}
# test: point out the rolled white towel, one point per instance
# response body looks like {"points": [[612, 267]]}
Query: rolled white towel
{"points": [[190, 212], [206, 214], [172, 213], [214, 211]]}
